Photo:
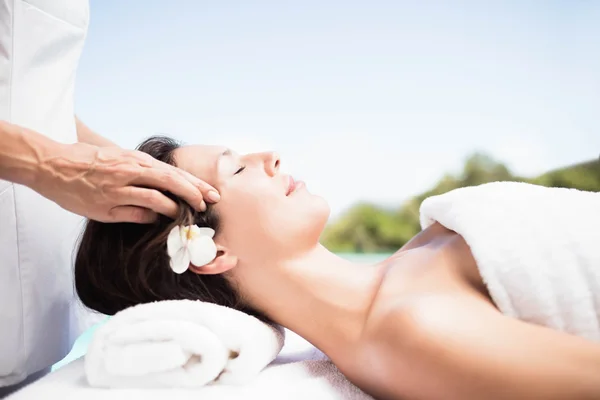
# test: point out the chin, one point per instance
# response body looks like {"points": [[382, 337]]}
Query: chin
{"points": [[303, 230], [325, 209], [320, 212]]}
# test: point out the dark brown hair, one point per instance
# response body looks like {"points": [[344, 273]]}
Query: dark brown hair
{"points": [[118, 265]]}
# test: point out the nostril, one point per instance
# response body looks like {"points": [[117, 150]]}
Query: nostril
{"points": [[277, 163]]}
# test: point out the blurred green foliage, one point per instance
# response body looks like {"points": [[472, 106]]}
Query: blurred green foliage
{"points": [[368, 228]]}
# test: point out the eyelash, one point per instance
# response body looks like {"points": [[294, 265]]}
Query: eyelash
{"points": [[240, 170]]}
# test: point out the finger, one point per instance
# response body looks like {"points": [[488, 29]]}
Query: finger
{"points": [[149, 199], [171, 181], [208, 191], [133, 214]]}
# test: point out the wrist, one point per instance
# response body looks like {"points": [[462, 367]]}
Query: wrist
{"points": [[46, 154], [24, 153]]}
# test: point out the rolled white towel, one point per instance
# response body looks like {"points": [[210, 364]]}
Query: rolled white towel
{"points": [[180, 343], [537, 249]]}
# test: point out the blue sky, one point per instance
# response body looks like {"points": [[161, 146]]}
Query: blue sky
{"points": [[364, 100]]}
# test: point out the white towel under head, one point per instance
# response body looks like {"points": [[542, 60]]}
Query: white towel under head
{"points": [[537, 249], [180, 343], [299, 372]]}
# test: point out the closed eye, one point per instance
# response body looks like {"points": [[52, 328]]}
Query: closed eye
{"points": [[240, 170]]}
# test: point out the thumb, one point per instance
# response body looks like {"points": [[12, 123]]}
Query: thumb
{"points": [[133, 214]]}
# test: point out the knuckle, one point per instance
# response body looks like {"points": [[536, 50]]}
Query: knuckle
{"points": [[136, 154], [138, 215], [169, 177], [111, 216], [134, 159], [147, 159], [202, 185], [150, 196], [135, 216]]}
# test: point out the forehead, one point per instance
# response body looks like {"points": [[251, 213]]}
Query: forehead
{"points": [[199, 160]]}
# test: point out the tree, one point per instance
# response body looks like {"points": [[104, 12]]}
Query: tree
{"points": [[369, 228]]}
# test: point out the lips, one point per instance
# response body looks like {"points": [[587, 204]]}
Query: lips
{"points": [[291, 186]]}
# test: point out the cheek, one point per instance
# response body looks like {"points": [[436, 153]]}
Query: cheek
{"points": [[247, 218], [253, 222]]}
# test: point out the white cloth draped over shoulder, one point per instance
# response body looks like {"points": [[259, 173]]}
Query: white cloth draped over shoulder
{"points": [[537, 249]]}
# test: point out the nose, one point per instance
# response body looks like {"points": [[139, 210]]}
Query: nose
{"points": [[272, 161]]}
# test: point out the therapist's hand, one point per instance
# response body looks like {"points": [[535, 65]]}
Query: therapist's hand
{"points": [[110, 184]]}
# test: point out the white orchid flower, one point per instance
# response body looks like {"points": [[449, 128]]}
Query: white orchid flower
{"points": [[190, 244]]}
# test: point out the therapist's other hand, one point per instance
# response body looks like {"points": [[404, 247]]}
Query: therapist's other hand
{"points": [[110, 184]]}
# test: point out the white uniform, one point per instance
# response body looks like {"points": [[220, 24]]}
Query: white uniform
{"points": [[40, 46]]}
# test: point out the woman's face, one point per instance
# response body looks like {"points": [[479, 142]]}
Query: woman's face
{"points": [[260, 217]]}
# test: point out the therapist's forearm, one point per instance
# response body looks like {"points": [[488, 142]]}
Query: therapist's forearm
{"points": [[22, 151], [86, 135]]}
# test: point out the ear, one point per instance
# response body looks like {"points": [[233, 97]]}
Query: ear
{"points": [[224, 261]]}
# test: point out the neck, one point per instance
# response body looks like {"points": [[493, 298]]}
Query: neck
{"points": [[319, 295]]}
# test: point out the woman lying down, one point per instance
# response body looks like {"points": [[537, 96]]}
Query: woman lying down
{"points": [[497, 297]]}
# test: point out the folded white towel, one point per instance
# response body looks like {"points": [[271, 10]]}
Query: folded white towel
{"points": [[537, 249], [180, 343], [299, 372]]}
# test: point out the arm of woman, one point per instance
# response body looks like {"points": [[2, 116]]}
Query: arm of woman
{"points": [[106, 184], [461, 347]]}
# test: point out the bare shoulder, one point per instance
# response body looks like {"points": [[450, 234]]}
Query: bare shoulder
{"points": [[434, 333], [459, 347], [433, 284], [418, 321], [402, 340]]}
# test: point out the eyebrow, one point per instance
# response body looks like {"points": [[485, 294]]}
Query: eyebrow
{"points": [[227, 152]]}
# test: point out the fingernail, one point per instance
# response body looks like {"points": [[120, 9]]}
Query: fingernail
{"points": [[203, 206], [214, 196]]}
